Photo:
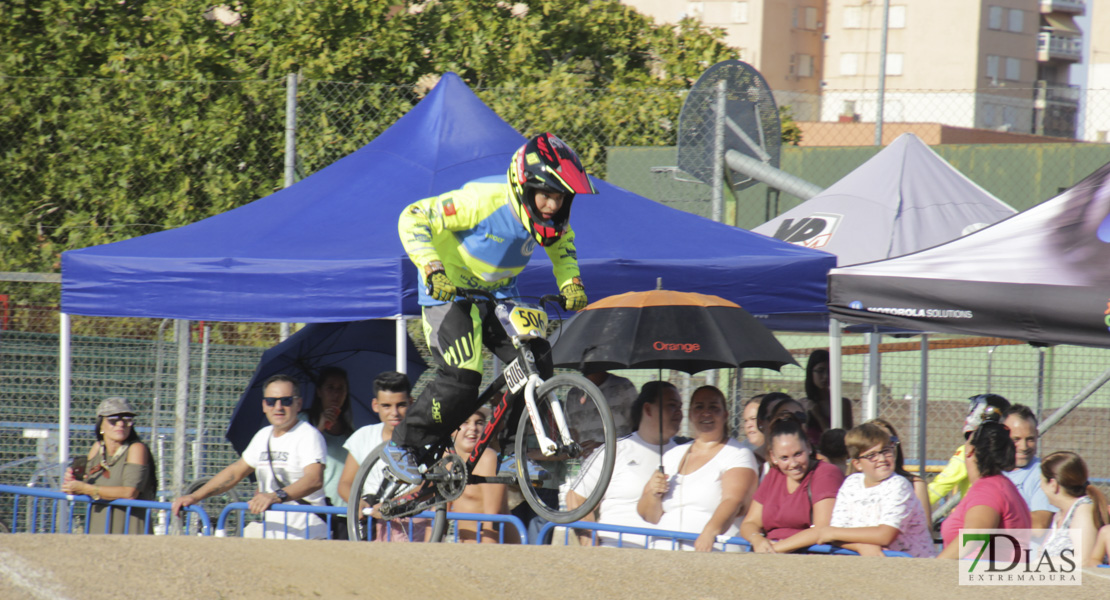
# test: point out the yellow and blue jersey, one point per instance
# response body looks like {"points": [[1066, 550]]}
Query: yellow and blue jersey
{"points": [[474, 232]]}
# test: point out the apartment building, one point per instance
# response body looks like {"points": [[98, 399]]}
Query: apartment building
{"points": [[991, 64], [780, 38]]}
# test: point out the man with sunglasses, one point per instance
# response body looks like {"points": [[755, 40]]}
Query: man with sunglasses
{"points": [[288, 458]]}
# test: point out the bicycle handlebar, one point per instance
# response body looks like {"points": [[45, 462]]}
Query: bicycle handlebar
{"points": [[481, 295]]}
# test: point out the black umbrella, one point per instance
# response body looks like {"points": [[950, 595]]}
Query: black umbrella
{"points": [[664, 329]]}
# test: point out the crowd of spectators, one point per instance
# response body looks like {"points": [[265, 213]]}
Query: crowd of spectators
{"points": [[790, 483]]}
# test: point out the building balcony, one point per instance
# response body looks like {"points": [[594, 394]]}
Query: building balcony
{"points": [[1047, 92], [1074, 7], [1057, 46]]}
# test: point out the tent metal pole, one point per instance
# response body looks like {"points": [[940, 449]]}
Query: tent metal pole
{"points": [[836, 398], [402, 348], [922, 404], [1074, 402], [874, 363], [202, 400], [181, 327], [65, 385]]}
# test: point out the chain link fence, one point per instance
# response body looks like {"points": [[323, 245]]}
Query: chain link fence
{"points": [[91, 161]]}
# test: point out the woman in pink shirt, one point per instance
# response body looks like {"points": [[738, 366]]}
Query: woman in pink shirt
{"points": [[797, 493], [992, 501]]}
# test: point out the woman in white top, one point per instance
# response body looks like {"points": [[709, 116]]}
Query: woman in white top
{"points": [[1082, 507], [707, 483]]}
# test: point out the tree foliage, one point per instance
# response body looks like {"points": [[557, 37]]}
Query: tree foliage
{"points": [[132, 116]]}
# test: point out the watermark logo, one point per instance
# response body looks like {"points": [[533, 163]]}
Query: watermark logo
{"points": [[1015, 557]]}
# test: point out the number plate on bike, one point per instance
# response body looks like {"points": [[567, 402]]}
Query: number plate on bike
{"points": [[528, 322], [515, 377]]}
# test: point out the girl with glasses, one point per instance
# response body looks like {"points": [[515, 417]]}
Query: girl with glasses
{"points": [[119, 466], [876, 508]]}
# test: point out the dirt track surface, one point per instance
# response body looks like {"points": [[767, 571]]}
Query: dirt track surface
{"points": [[80, 567]]}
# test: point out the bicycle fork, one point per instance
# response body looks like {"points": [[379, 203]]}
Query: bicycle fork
{"points": [[548, 446]]}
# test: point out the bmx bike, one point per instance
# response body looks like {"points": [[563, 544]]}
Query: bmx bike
{"points": [[547, 450]]}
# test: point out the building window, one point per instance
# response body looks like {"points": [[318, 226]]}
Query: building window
{"points": [[994, 17], [1017, 20], [894, 64], [805, 65], [992, 67], [811, 18], [897, 17], [739, 12], [1013, 69], [849, 63], [852, 17]]}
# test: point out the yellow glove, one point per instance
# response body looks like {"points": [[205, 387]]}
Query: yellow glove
{"points": [[574, 296], [440, 287]]}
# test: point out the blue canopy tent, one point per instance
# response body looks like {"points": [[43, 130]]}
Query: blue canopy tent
{"points": [[329, 243]]}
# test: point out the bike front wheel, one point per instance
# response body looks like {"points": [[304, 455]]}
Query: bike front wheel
{"points": [[544, 480], [375, 484]]}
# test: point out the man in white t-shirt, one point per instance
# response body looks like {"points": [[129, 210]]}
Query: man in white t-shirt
{"points": [[392, 398], [637, 458], [288, 459]]}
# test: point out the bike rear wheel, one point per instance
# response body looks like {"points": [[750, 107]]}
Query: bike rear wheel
{"points": [[374, 482], [588, 416]]}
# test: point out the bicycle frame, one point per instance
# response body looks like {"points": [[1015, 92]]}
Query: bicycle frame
{"points": [[525, 361]]}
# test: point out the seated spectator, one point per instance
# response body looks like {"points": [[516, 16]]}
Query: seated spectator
{"points": [[480, 498], [833, 450], [920, 487], [119, 466], [753, 437], [1026, 474], [705, 483], [799, 492], [1081, 506], [288, 459], [1101, 551], [637, 458], [391, 401], [982, 408], [992, 501], [619, 392], [876, 508], [782, 404], [330, 413], [819, 395]]}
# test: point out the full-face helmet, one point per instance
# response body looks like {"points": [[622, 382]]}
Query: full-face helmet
{"points": [[546, 163]]}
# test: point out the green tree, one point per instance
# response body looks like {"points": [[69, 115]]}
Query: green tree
{"points": [[128, 117]]}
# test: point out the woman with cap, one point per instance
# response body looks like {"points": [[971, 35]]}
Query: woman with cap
{"points": [[119, 466]]}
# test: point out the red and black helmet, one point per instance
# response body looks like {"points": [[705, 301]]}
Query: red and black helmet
{"points": [[546, 163]]}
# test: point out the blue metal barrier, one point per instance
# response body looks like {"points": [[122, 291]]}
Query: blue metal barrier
{"points": [[676, 536], [500, 520], [48, 515], [740, 544], [479, 518], [324, 512]]}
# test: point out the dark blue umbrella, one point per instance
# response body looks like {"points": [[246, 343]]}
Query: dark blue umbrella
{"points": [[363, 348]]}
